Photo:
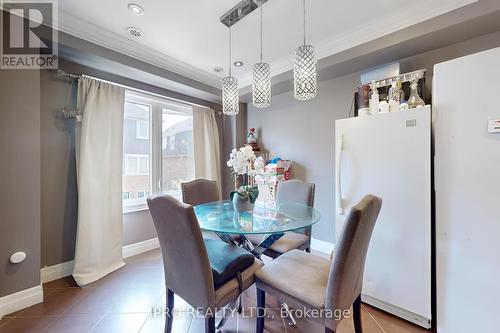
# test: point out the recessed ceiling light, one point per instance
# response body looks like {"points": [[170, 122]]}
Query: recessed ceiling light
{"points": [[218, 69], [135, 9], [135, 32], [238, 63]]}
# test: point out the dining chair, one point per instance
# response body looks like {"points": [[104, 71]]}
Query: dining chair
{"points": [[293, 190], [199, 191], [329, 287], [189, 267]]}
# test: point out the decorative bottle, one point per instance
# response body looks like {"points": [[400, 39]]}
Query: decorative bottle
{"points": [[415, 101], [374, 99]]}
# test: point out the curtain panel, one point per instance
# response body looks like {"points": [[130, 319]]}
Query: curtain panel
{"points": [[206, 146], [99, 176]]}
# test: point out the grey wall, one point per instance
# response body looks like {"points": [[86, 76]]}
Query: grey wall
{"points": [[234, 129], [59, 202], [304, 131], [19, 178]]}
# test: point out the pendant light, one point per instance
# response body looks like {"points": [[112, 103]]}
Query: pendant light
{"points": [[304, 71], [230, 93], [261, 82]]}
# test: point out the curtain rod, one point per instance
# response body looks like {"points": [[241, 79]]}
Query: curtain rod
{"points": [[79, 76]]}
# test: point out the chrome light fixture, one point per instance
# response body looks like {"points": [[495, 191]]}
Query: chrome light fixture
{"points": [[261, 82], [304, 71], [230, 93]]}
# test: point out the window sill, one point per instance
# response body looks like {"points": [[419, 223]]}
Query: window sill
{"points": [[135, 208]]}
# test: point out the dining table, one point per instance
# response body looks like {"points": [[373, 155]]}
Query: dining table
{"points": [[270, 220]]}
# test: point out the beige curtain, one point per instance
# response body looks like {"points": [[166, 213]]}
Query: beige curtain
{"points": [[206, 145], [99, 175]]}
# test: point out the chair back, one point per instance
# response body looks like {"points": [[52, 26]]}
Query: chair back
{"points": [[345, 279], [295, 190], [185, 259], [200, 191]]}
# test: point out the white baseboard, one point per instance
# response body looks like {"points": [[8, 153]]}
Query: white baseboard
{"points": [[20, 300], [397, 311], [25, 298], [322, 246], [51, 273], [141, 247]]}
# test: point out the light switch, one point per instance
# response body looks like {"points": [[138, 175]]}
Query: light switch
{"points": [[494, 125]]}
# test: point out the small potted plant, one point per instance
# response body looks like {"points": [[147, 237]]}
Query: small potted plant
{"points": [[242, 162]]}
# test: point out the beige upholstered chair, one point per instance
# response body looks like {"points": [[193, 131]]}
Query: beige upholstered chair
{"points": [[304, 280], [199, 191], [293, 190], [186, 262]]}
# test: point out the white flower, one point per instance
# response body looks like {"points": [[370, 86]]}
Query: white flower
{"points": [[241, 160]]}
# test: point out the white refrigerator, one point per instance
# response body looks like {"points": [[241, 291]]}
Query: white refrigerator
{"points": [[466, 99], [389, 155]]}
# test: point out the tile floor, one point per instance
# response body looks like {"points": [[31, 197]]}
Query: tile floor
{"points": [[122, 302]]}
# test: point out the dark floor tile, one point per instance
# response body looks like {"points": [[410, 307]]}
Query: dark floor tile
{"points": [[74, 324], [98, 301], [66, 282], [393, 324], [137, 299], [122, 323], [4, 320], [27, 325], [156, 324], [55, 303]]}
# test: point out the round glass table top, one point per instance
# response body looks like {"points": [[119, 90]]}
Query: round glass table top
{"points": [[221, 217]]}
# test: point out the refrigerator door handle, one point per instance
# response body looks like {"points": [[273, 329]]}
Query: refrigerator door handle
{"points": [[338, 173]]}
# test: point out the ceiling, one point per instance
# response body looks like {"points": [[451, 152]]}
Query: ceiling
{"points": [[186, 36]]}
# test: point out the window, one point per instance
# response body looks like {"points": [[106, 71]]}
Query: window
{"points": [[137, 147], [177, 150], [157, 147]]}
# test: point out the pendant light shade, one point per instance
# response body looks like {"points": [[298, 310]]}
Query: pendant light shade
{"points": [[304, 70], [230, 93], [261, 81], [304, 73], [261, 85], [230, 96]]}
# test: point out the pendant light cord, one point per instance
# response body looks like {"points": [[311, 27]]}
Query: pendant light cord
{"points": [[261, 34], [230, 52], [304, 17]]}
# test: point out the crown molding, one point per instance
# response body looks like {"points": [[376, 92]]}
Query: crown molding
{"points": [[90, 32], [356, 36], [365, 33]]}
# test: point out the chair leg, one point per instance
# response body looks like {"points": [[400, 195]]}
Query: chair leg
{"points": [[169, 318], [308, 250], [261, 310], [210, 325], [356, 309]]}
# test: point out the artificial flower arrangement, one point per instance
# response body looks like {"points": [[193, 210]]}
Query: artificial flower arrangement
{"points": [[244, 163]]}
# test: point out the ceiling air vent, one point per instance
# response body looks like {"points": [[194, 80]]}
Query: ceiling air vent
{"points": [[135, 32]]}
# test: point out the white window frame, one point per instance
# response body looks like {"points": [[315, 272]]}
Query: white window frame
{"points": [[156, 104]]}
